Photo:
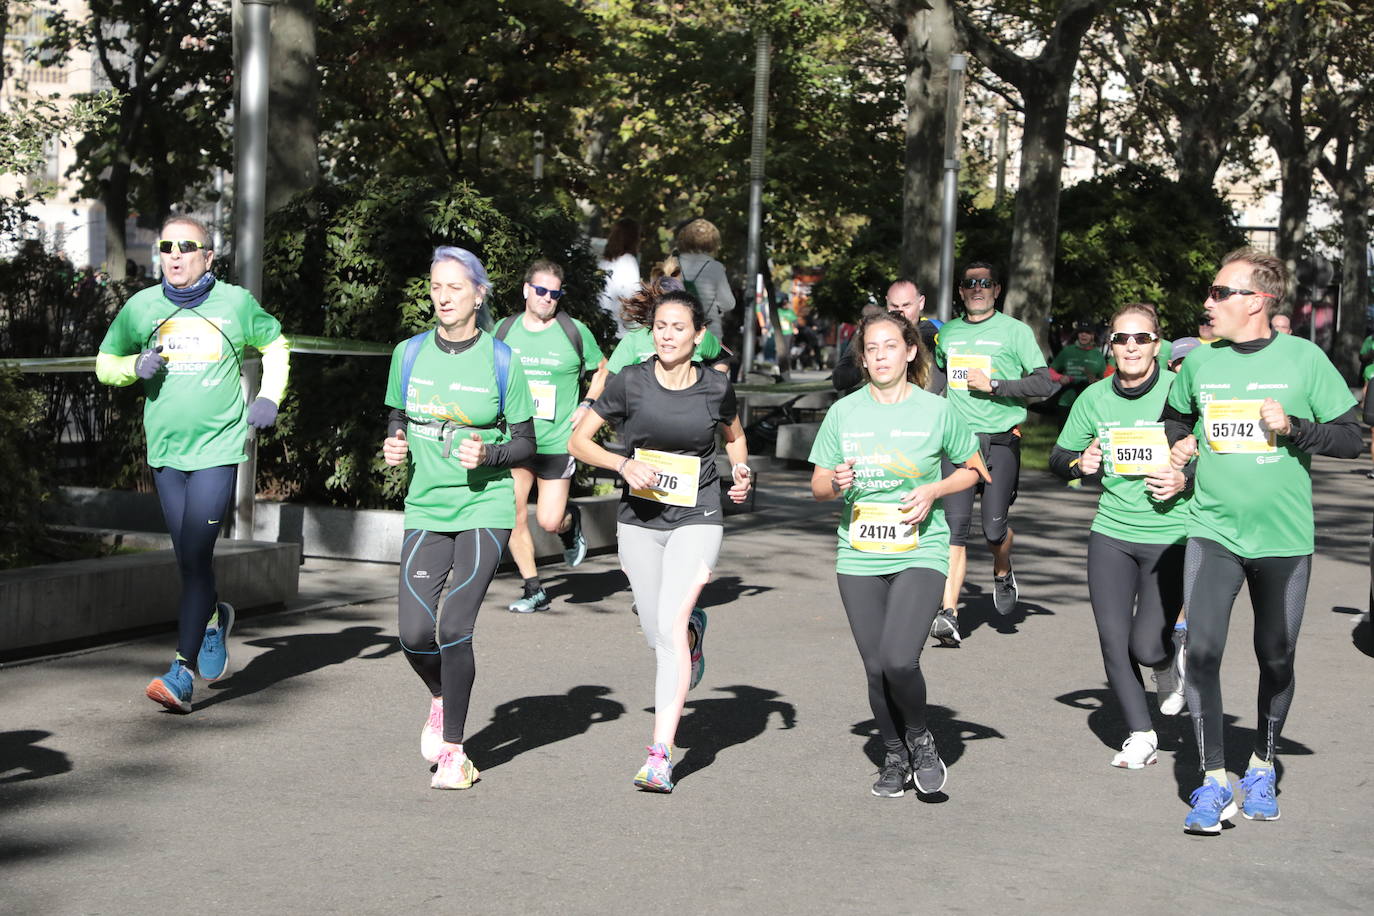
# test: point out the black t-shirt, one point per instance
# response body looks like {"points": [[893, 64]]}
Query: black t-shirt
{"points": [[684, 422]]}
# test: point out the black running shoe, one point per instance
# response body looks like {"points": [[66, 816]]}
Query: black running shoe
{"points": [[893, 777], [928, 770], [945, 628]]}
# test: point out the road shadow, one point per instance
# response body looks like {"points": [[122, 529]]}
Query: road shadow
{"points": [[951, 739], [1362, 636], [592, 588], [726, 589], [1239, 743], [22, 759], [1106, 722], [292, 656], [526, 723], [712, 725], [979, 611]]}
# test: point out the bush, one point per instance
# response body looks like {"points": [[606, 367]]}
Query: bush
{"points": [[352, 261], [23, 464]]}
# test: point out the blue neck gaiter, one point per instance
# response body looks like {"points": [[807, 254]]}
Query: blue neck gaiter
{"points": [[191, 296]]}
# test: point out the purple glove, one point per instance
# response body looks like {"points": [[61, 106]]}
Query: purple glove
{"points": [[149, 363], [262, 413]]}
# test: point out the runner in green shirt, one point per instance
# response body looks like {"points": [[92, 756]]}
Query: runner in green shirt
{"points": [[1267, 402], [542, 340], [1080, 364], [993, 364], [185, 341], [880, 450], [1135, 548], [461, 416]]}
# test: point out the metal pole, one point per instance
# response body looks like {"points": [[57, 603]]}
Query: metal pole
{"points": [[250, 204], [538, 156], [762, 55], [950, 202]]}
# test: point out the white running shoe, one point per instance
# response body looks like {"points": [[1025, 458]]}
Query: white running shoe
{"points": [[1169, 685], [432, 736], [1137, 752]]}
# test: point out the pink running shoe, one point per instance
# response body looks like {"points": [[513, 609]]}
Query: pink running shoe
{"points": [[432, 737], [657, 773]]}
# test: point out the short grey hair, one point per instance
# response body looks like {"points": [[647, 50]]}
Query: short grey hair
{"points": [[476, 272]]}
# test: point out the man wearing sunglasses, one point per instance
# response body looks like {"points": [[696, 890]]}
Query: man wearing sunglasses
{"points": [[555, 351], [1267, 403], [185, 340], [993, 363]]}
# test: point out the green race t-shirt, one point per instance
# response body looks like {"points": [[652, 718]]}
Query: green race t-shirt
{"points": [[897, 448], [638, 345], [1125, 510], [194, 415], [554, 375], [1081, 364], [787, 321], [1005, 345], [457, 390], [1256, 503]]}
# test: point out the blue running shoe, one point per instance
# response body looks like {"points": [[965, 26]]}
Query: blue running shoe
{"points": [[213, 660], [1212, 803], [172, 689], [657, 773], [1259, 803], [696, 626]]}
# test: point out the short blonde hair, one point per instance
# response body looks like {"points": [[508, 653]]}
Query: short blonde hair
{"points": [[698, 236]]}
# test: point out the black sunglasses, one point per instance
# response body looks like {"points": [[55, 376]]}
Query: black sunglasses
{"points": [[1121, 338], [977, 283], [185, 246], [1219, 293], [554, 294]]}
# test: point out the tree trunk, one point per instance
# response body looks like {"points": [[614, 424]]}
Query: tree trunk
{"points": [[927, 38], [1035, 225], [116, 194], [293, 133], [1354, 281], [1296, 165]]}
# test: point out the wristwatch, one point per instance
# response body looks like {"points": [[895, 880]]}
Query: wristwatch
{"points": [[994, 383]]}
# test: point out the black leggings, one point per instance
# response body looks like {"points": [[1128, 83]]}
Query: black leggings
{"points": [[436, 627], [1004, 466], [890, 617], [1136, 592], [194, 504], [1278, 592]]}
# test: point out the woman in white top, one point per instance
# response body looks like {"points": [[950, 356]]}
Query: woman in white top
{"points": [[620, 262]]}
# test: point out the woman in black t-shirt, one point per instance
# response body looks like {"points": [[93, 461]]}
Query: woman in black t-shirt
{"points": [[669, 412]]}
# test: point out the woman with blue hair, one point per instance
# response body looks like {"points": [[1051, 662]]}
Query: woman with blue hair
{"points": [[461, 415]]}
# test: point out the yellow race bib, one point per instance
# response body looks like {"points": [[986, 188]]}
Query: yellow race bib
{"points": [[677, 480], [1135, 451], [961, 363], [545, 396], [190, 340], [878, 528], [1234, 427]]}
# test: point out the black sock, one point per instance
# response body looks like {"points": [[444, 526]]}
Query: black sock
{"points": [[533, 585]]}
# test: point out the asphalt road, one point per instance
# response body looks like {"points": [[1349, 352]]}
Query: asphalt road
{"points": [[296, 785]]}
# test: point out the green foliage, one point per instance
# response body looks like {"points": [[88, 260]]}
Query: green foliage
{"points": [[22, 467], [352, 261], [1135, 236], [862, 273]]}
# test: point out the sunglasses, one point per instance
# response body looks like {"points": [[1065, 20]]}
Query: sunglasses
{"points": [[1121, 338], [554, 294], [977, 283], [185, 246], [1219, 293]]}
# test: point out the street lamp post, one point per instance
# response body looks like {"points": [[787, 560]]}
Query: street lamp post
{"points": [[950, 201], [762, 55]]}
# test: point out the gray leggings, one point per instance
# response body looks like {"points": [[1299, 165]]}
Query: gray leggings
{"points": [[667, 570]]}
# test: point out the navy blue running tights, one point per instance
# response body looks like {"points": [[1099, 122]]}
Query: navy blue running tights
{"points": [[437, 611], [195, 504]]}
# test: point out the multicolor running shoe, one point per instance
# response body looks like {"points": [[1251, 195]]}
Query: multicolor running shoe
{"points": [[696, 629], [172, 689], [657, 773], [455, 770]]}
